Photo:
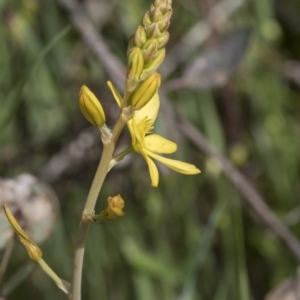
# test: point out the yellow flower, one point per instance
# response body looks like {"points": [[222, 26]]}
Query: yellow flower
{"points": [[148, 144], [33, 249], [114, 208]]}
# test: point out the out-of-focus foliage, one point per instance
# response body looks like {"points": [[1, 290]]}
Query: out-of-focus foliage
{"points": [[190, 238]]}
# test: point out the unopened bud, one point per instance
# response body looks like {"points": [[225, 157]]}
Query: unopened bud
{"points": [[130, 44], [114, 208], [91, 107], [147, 89], [149, 49], [154, 64], [140, 36], [160, 10], [164, 24], [153, 30], [146, 19], [135, 68], [33, 249], [156, 14], [163, 39]]}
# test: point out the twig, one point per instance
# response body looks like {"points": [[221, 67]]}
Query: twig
{"points": [[252, 197]]}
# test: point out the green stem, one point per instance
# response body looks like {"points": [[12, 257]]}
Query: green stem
{"points": [[117, 158], [63, 285], [109, 143], [123, 153]]}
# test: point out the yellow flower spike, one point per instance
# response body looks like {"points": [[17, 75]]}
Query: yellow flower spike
{"points": [[154, 64], [149, 145], [114, 208], [135, 68], [90, 107], [33, 249], [147, 89]]}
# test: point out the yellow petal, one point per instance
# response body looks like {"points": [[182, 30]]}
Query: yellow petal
{"points": [[115, 93], [176, 165], [152, 170], [149, 111], [157, 144]]}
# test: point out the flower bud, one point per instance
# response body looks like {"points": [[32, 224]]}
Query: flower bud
{"points": [[140, 36], [163, 25], [135, 68], [130, 44], [146, 19], [156, 14], [147, 89], [114, 208], [164, 5], [153, 30], [154, 64], [163, 39], [149, 49], [159, 10], [91, 107], [33, 249]]}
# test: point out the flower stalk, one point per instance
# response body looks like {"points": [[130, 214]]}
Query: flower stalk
{"points": [[34, 251]]}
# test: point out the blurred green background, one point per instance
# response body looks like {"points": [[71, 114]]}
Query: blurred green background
{"points": [[192, 238]]}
